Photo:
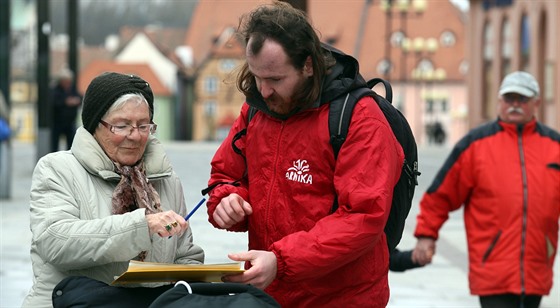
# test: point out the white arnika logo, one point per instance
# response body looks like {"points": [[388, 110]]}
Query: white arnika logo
{"points": [[299, 172]]}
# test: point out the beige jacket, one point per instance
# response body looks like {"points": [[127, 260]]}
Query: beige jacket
{"points": [[73, 230]]}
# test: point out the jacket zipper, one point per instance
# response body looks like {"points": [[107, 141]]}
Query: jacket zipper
{"points": [[273, 179], [525, 198]]}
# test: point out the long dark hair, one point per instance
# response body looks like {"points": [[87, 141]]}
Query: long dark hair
{"points": [[290, 28]]}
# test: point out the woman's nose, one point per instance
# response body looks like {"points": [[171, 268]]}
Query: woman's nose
{"points": [[135, 134]]}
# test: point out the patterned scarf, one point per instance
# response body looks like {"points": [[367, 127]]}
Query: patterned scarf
{"points": [[134, 191]]}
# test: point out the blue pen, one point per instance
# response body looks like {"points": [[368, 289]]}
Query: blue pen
{"points": [[195, 208], [192, 211]]}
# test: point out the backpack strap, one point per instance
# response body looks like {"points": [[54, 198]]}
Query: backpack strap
{"points": [[388, 89], [340, 115], [250, 114]]}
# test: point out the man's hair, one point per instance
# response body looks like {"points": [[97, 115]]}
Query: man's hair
{"points": [[290, 28]]}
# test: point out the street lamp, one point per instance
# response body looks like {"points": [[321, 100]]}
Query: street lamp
{"points": [[405, 9], [424, 73]]}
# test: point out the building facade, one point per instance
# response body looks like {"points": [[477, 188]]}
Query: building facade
{"points": [[217, 101], [396, 40], [511, 35]]}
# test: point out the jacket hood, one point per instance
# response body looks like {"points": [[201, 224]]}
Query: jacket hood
{"points": [[340, 79]]}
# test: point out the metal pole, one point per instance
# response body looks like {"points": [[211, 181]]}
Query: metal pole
{"points": [[43, 89], [5, 50], [388, 25], [73, 32], [404, 16]]}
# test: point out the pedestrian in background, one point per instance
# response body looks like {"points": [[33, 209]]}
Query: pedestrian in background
{"points": [[301, 252], [506, 173], [111, 199], [66, 102]]}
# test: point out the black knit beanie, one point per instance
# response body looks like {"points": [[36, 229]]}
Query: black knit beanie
{"points": [[105, 89]]}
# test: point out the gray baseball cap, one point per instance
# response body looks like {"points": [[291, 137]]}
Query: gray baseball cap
{"points": [[521, 83]]}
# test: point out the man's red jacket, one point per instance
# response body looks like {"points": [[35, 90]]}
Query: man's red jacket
{"points": [[508, 179], [324, 259]]}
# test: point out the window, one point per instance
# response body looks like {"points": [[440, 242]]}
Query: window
{"points": [[429, 106], [397, 38], [488, 42], [210, 108], [425, 65], [506, 39], [331, 40], [211, 84], [444, 105], [507, 49], [227, 65], [525, 41], [447, 39], [384, 67]]}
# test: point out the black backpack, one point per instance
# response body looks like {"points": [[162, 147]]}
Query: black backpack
{"points": [[340, 115]]}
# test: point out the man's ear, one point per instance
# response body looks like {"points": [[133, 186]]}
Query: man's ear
{"points": [[308, 67]]}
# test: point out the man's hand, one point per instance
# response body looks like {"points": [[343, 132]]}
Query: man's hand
{"points": [[231, 210], [424, 250], [262, 272]]}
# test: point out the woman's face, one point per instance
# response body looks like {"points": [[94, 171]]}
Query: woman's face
{"points": [[129, 148]]}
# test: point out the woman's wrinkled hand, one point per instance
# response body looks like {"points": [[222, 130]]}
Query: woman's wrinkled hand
{"points": [[166, 223]]}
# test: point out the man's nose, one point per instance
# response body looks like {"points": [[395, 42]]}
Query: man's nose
{"points": [[266, 90]]}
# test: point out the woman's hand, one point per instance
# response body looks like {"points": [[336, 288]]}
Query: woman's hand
{"points": [[166, 223]]}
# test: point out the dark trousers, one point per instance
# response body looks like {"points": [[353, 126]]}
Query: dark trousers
{"points": [[68, 129], [83, 292], [510, 301]]}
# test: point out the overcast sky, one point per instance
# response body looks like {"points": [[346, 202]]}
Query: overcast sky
{"points": [[463, 4]]}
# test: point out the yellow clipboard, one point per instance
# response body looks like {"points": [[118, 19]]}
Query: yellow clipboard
{"points": [[140, 272]]}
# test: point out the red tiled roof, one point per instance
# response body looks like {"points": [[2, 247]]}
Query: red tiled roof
{"points": [[88, 54], [231, 47], [142, 70], [210, 18]]}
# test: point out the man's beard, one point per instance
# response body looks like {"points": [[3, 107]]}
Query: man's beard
{"points": [[278, 105]]}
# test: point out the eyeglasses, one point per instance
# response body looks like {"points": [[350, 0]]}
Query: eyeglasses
{"points": [[126, 129], [512, 98]]}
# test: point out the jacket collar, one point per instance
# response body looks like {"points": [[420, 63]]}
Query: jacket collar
{"points": [[516, 128]]}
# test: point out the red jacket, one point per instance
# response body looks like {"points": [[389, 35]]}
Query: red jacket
{"points": [[323, 259], [508, 179]]}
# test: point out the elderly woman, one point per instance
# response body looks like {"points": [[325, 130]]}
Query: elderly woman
{"points": [[113, 197]]}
